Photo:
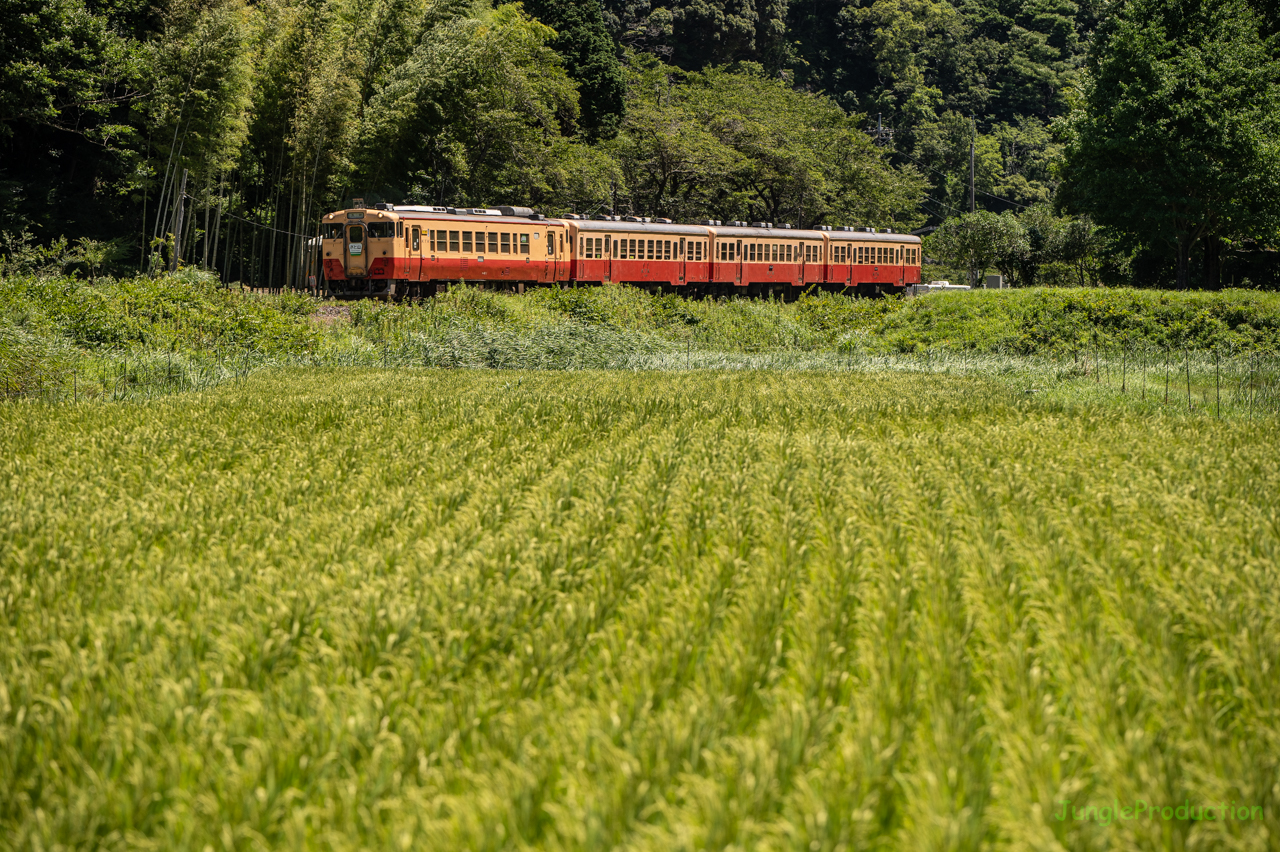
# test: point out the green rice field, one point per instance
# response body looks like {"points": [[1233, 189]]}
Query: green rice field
{"points": [[361, 608]]}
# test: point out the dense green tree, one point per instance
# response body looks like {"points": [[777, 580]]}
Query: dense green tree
{"points": [[1176, 141], [978, 241], [67, 78], [590, 57], [474, 116], [746, 146]]}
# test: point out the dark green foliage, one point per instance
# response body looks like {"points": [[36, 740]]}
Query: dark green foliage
{"points": [[746, 146], [590, 58], [1176, 142]]}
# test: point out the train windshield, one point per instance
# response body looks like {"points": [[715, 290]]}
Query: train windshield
{"points": [[355, 234], [333, 231]]}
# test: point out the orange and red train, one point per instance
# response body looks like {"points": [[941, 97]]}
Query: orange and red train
{"points": [[396, 251]]}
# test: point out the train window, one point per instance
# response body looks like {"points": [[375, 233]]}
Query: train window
{"points": [[417, 239], [379, 230], [600, 247], [466, 242], [582, 246], [505, 242], [493, 243], [524, 243], [331, 231], [608, 245], [454, 237], [399, 229]]}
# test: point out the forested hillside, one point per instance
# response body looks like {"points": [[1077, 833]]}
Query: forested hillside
{"points": [[809, 111]]}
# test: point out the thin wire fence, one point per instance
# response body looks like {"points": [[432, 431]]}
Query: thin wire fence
{"points": [[1217, 383]]}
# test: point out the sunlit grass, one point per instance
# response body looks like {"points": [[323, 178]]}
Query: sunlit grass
{"points": [[859, 605]]}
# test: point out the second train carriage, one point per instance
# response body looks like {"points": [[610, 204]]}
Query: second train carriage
{"points": [[395, 251]]}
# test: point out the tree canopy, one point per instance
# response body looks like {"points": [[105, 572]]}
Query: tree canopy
{"points": [[1154, 117], [1176, 141]]}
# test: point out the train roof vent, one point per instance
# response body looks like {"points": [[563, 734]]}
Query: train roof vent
{"points": [[758, 225], [843, 228], [867, 230], [451, 210], [786, 225], [706, 222], [603, 218], [887, 231], [572, 216], [824, 227], [663, 221], [537, 217], [382, 206], [631, 219], [516, 211]]}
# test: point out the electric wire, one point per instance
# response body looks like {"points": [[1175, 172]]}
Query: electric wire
{"points": [[979, 191]]}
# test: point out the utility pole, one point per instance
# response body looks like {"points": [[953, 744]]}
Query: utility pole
{"points": [[972, 131], [882, 135], [177, 224]]}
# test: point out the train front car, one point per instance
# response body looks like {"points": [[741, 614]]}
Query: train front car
{"points": [[875, 263], [359, 251]]}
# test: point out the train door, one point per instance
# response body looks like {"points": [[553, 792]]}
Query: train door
{"points": [[544, 256], [357, 262], [415, 253], [737, 265]]}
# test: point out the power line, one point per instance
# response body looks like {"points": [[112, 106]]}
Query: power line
{"points": [[943, 175], [266, 227]]}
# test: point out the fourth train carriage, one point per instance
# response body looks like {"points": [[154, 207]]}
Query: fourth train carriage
{"points": [[397, 251]]}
